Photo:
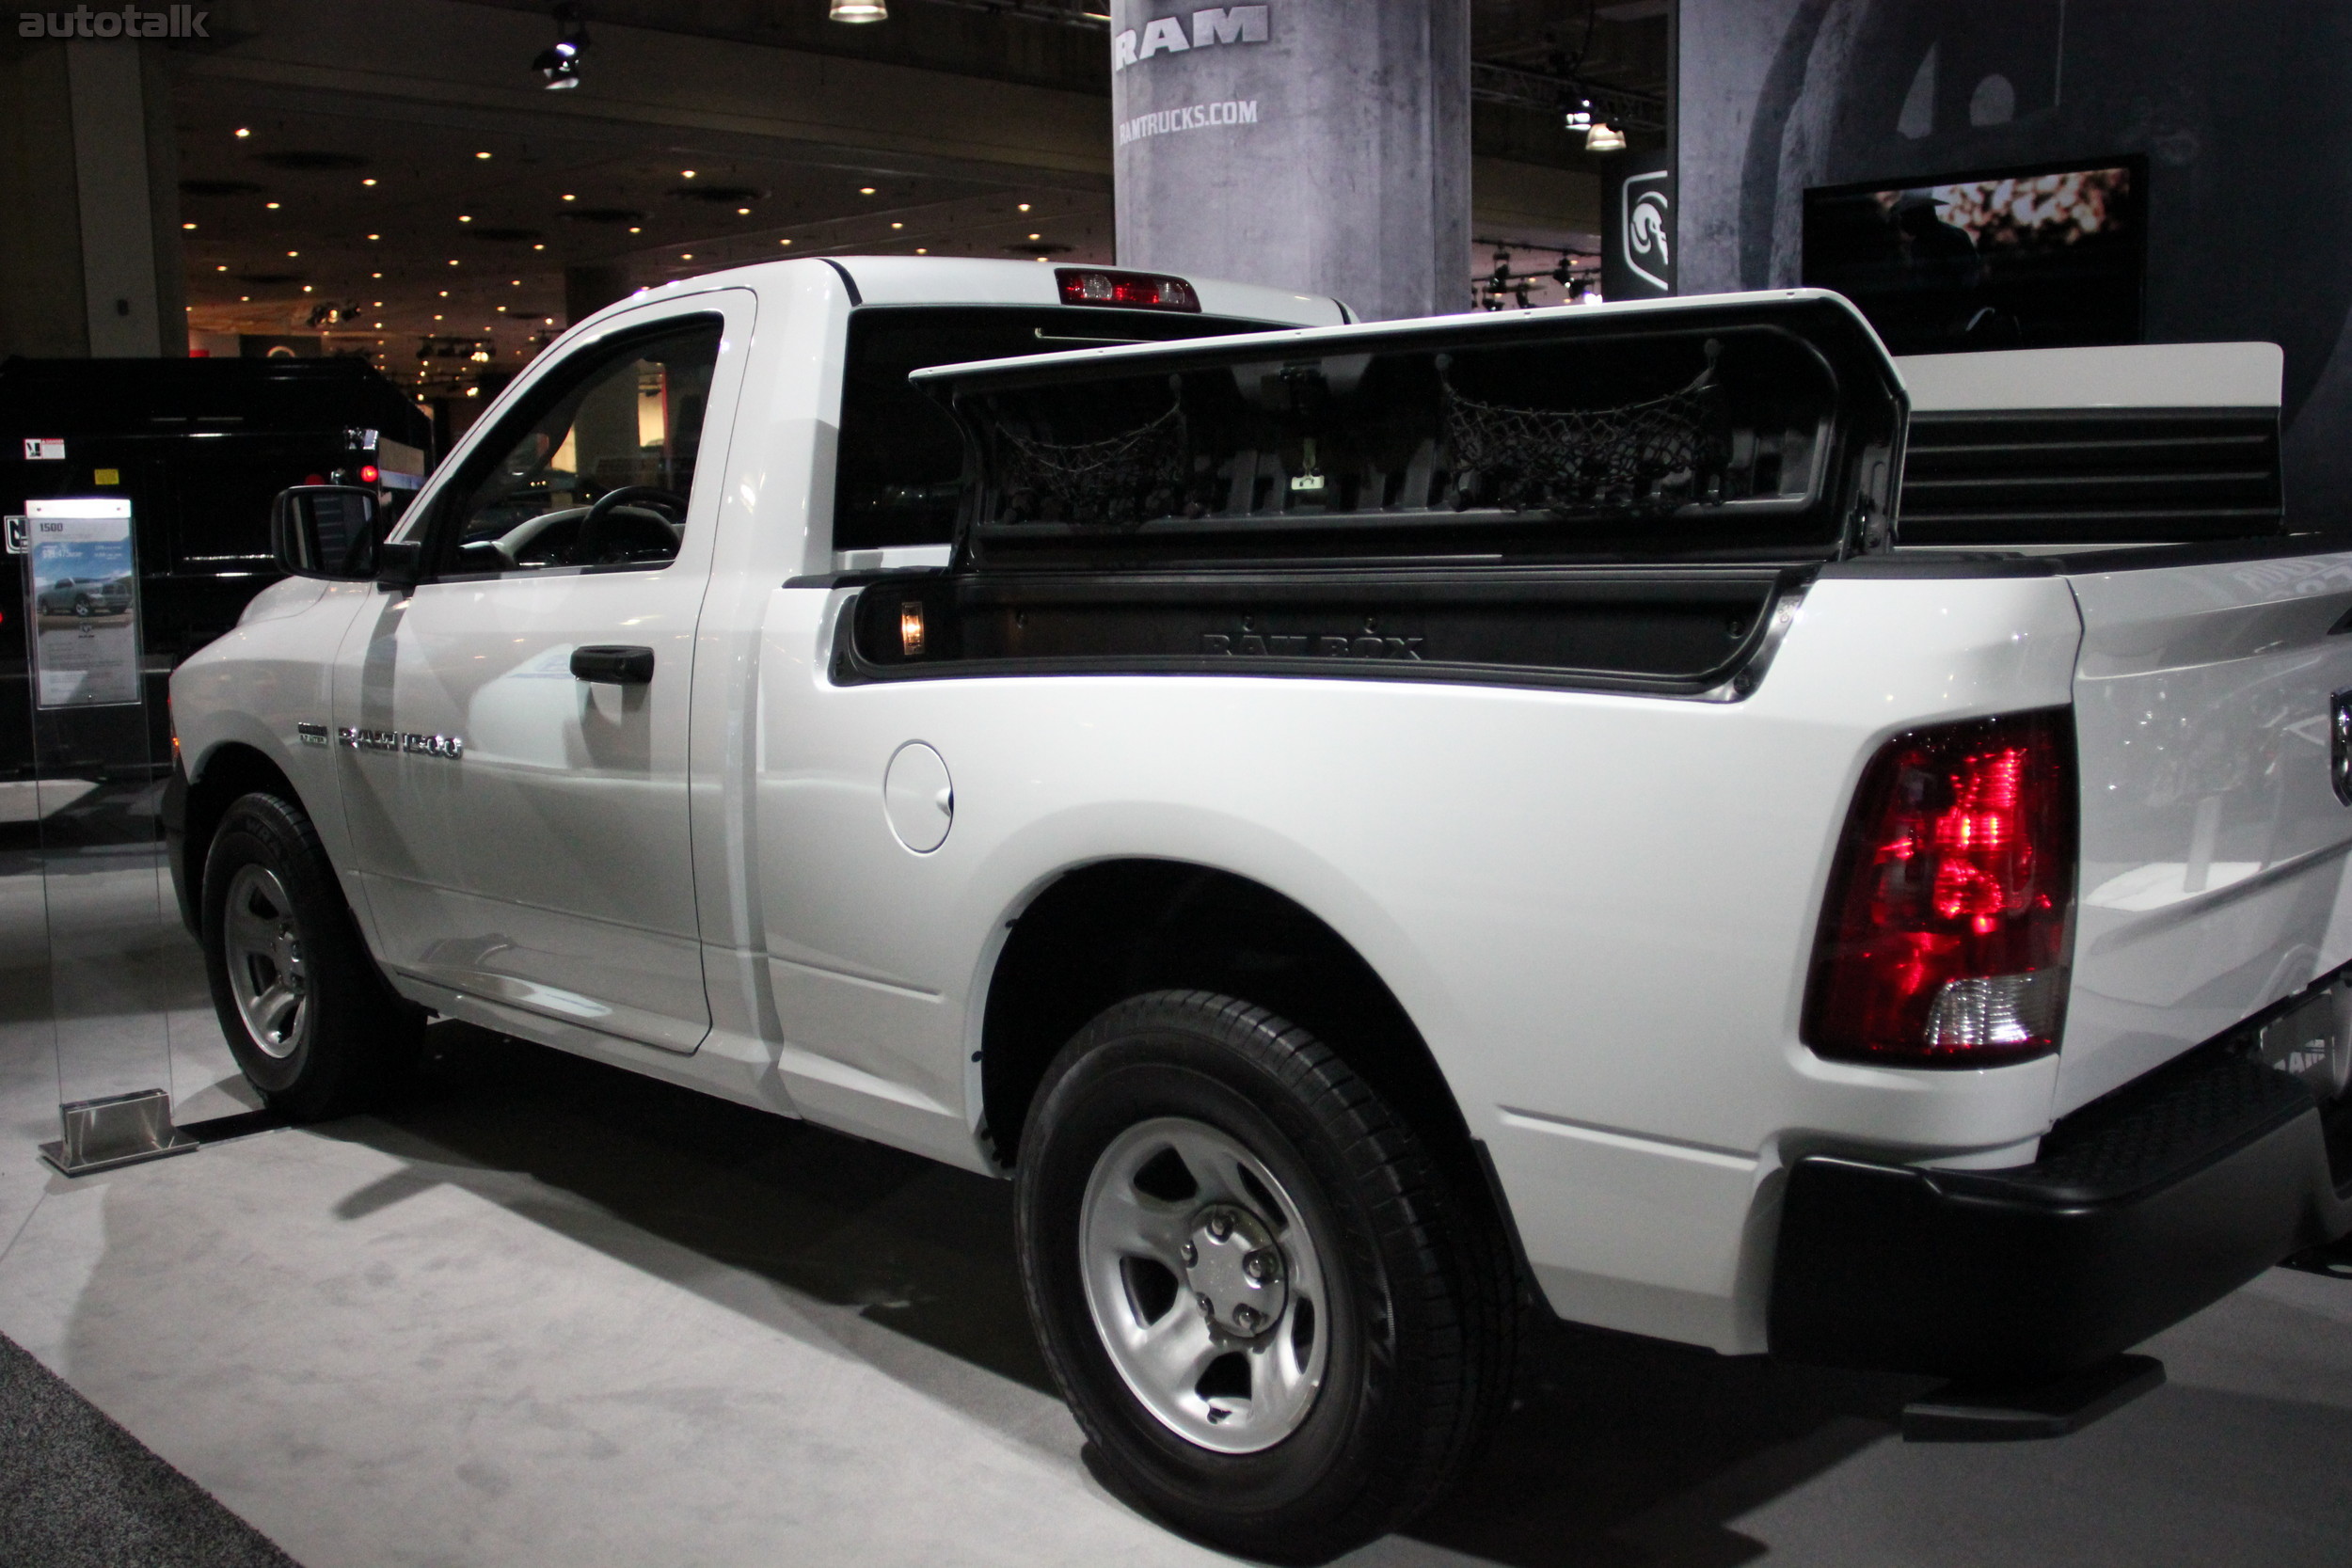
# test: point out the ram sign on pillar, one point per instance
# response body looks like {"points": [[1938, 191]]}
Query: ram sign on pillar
{"points": [[1306, 144]]}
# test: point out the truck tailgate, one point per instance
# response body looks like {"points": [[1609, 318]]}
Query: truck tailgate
{"points": [[2214, 838]]}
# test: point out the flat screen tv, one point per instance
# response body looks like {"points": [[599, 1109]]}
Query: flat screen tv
{"points": [[2047, 257]]}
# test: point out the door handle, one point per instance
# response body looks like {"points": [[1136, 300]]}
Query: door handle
{"points": [[617, 665]]}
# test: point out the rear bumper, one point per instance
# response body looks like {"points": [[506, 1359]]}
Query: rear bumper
{"points": [[2142, 1207]]}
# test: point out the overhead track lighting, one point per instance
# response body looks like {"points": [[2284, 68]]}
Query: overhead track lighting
{"points": [[860, 11], [559, 64]]}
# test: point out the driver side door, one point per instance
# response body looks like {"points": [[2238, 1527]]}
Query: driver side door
{"points": [[518, 809]]}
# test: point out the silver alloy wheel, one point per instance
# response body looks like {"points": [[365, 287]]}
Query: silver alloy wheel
{"points": [[1204, 1285], [263, 948]]}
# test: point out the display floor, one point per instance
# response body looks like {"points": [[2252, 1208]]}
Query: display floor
{"points": [[544, 1313]]}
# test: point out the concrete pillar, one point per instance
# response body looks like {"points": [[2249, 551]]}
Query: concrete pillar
{"points": [[1300, 143], [589, 288], [90, 258]]}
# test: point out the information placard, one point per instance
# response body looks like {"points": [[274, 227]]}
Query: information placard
{"points": [[82, 594]]}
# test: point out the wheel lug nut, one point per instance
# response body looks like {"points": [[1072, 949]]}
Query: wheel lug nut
{"points": [[1192, 1255], [1249, 1317], [1208, 1308], [1220, 1226]]}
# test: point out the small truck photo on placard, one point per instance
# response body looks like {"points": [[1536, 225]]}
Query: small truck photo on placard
{"points": [[85, 603]]}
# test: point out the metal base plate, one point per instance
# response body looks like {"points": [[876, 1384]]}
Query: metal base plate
{"points": [[180, 1143], [1960, 1413]]}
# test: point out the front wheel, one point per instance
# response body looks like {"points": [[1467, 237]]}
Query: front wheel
{"points": [[307, 1016], [1250, 1281]]}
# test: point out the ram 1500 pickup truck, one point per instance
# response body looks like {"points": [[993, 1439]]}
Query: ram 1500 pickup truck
{"points": [[1656, 809]]}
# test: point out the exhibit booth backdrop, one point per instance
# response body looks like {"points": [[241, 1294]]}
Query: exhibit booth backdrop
{"points": [[2236, 110]]}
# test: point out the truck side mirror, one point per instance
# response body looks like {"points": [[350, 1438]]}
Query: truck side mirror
{"points": [[324, 531]]}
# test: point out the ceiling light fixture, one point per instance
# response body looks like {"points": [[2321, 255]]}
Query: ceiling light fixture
{"points": [[273, 206], [243, 133], [686, 174], [559, 65], [483, 156], [187, 226], [1604, 137], [860, 10], [369, 181]]}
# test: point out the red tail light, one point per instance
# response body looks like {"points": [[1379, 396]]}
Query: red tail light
{"points": [[1950, 922], [1136, 291]]}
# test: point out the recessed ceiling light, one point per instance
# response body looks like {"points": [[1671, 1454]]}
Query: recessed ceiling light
{"points": [[369, 181], [541, 245], [187, 226], [481, 154], [518, 282], [376, 275], [502, 307], [242, 131], [921, 251], [866, 190], [376, 237], [223, 267], [305, 287], [686, 256], [465, 218], [452, 261], [784, 242], [898, 226], [1025, 207], [569, 196], [245, 299], [444, 294], [271, 205], [1037, 236], [635, 230], [686, 174], [742, 211], [294, 253]]}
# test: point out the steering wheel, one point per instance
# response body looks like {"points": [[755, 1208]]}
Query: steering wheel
{"points": [[589, 543]]}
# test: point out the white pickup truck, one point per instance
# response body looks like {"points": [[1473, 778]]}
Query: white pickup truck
{"points": [[1654, 810]]}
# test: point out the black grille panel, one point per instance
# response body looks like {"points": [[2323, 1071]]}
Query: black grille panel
{"points": [[2091, 476]]}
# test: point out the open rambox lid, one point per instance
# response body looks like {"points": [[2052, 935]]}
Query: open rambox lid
{"points": [[1762, 426]]}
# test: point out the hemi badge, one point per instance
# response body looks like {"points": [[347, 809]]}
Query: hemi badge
{"points": [[447, 746], [312, 734]]}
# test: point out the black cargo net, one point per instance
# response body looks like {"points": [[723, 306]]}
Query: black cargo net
{"points": [[1641, 457], [1114, 482]]}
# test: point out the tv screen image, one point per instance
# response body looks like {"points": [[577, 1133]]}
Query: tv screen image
{"points": [[2039, 258]]}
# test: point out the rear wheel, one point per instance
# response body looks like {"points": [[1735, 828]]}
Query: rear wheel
{"points": [[307, 1016], [1250, 1281]]}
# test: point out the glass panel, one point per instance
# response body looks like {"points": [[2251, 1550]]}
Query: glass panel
{"points": [[620, 419]]}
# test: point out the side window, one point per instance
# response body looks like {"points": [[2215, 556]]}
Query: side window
{"points": [[596, 468]]}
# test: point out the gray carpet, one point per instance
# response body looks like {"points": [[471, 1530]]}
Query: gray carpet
{"points": [[76, 1491]]}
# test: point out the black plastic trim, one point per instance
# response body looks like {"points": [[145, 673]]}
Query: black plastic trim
{"points": [[2143, 1207], [847, 282], [173, 812]]}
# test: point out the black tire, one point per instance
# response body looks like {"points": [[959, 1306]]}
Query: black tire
{"points": [[357, 1034], [1420, 1321]]}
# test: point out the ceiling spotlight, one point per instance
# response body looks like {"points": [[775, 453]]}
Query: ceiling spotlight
{"points": [[1604, 137], [866, 190], [1579, 116], [369, 181], [559, 64], [860, 11], [243, 133], [483, 155]]}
